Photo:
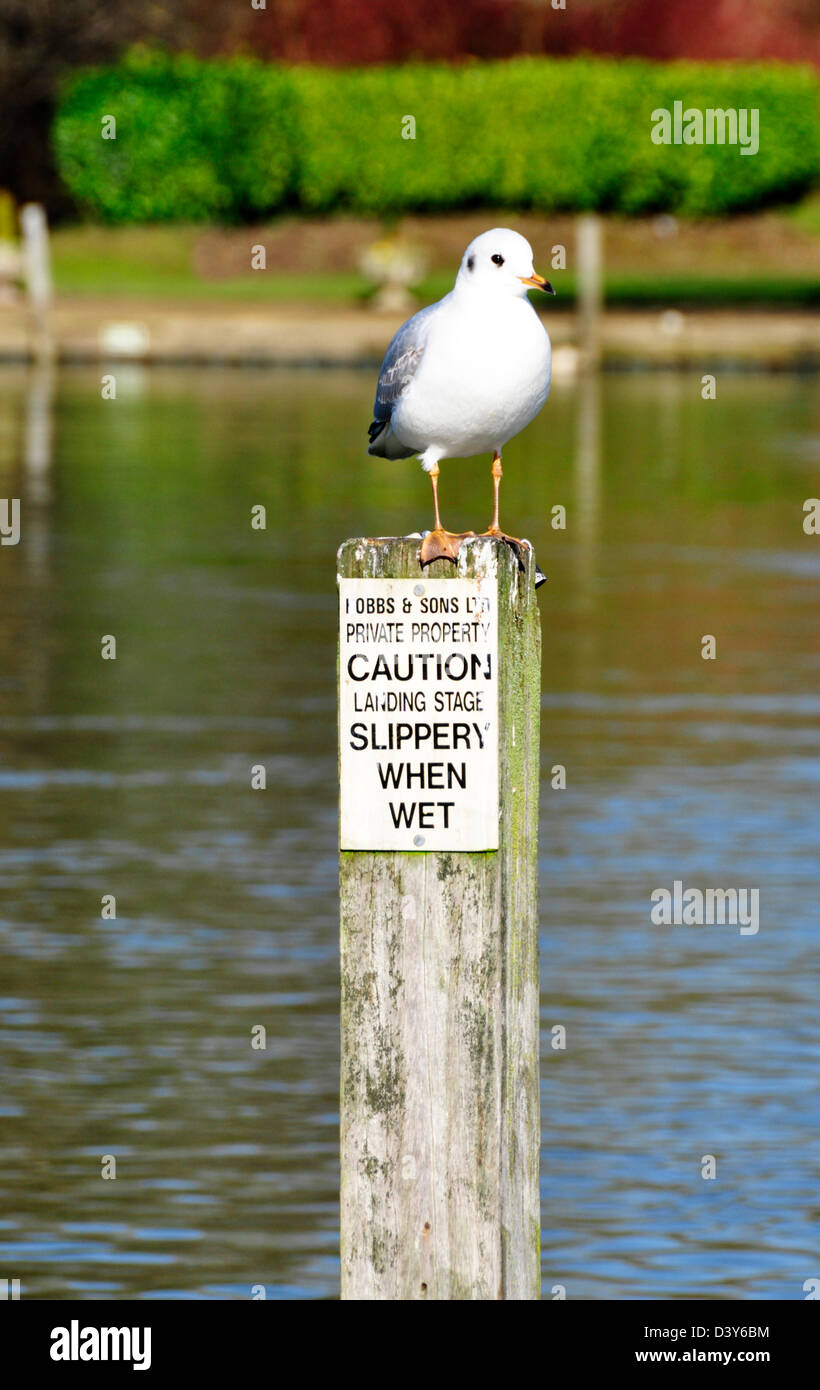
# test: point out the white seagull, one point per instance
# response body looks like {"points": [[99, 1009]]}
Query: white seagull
{"points": [[466, 374]]}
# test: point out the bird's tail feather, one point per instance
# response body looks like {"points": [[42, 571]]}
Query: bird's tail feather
{"points": [[384, 444]]}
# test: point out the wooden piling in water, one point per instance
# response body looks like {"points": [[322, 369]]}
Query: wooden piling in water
{"points": [[37, 273], [590, 272], [440, 1124]]}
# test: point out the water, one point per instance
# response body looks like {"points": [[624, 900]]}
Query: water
{"points": [[132, 777]]}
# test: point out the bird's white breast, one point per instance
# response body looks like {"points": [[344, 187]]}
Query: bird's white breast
{"points": [[484, 375]]}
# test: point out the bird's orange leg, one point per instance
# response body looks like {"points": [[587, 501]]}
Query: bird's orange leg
{"points": [[494, 528], [498, 473], [439, 544], [434, 475]]}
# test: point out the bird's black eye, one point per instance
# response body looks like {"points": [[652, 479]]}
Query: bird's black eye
{"points": [[496, 259], [470, 262]]}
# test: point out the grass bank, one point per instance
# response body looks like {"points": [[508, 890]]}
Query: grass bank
{"points": [[767, 260]]}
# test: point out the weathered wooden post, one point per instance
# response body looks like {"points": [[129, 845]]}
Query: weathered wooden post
{"points": [[439, 696], [590, 276], [37, 272]]}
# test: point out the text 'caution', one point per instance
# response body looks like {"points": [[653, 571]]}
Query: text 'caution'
{"points": [[418, 714]]}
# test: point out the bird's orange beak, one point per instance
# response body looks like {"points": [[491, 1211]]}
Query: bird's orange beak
{"points": [[537, 282]]}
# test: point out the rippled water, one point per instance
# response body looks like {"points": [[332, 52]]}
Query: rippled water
{"points": [[132, 1037]]}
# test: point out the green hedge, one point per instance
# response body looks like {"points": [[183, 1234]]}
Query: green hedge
{"points": [[195, 140], [235, 139]]}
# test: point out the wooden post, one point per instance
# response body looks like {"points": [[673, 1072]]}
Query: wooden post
{"points": [[37, 271], [440, 1122], [589, 255]]}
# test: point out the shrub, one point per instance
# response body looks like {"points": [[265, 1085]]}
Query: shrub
{"points": [[234, 139], [564, 134], [195, 140]]}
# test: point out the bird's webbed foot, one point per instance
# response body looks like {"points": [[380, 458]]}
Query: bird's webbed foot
{"points": [[441, 545], [518, 547]]}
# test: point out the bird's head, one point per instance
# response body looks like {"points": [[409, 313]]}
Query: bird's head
{"points": [[500, 262]]}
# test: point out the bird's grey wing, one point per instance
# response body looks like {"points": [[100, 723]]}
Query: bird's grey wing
{"points": [[400, 364], [394, 378]]}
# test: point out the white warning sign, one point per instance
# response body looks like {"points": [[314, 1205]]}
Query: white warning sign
{"points": [[418, 714]]}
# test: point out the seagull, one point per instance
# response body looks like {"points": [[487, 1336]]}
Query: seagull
{"points": [[464, 375]]}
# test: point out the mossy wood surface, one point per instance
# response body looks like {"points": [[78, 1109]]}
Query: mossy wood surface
{"points": [[440, 1126]]}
